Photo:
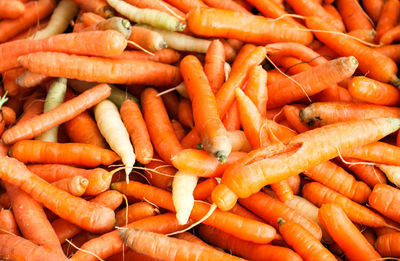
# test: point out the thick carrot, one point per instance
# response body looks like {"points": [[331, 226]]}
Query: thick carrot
{"points": [[319, 194], [388, 17], [160, 130], [338, 179], [75, 186], [214, 65], [346, 234], [62, 113], [96, 6], [34, 11], [373, 8], [303, 242], [323, 113], [244, 27], [304, 83], [301, 153], [166, 55], [135, 212], [271, 209], [240, 227], [124, 71], [378, 66], [353, 15], [111, 243], [169, 248], [31, 219], [388, 245], [88, 155], [212, 132], [379, 152], [386, 199], [16, 248], [256, 89], [11, 9]]}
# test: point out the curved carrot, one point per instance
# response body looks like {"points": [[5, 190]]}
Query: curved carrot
{"points": [[270, 209], [205, 113], [386, 200], [346, 234], [366, 173], [302, 152], [35, 151], [388, 245], [214, 65], [244, 27], [353, 15], [66, 111], [388, 17], [378, 66], [323, 113]]}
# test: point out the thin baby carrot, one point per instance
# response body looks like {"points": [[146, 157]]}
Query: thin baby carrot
{"points": [[62, 113], [214, 65], [7, 222], [244, 27], [124, 71], [346, 234]]}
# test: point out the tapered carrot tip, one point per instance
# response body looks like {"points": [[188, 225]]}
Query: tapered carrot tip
{"points": [[223, 197], [281, 221]]}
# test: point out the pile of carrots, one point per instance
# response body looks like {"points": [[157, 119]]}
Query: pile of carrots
{"points": [[199, 130]]}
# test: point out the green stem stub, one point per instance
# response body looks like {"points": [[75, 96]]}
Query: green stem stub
{"points": [[3, 99], [199, 146], [281, 221], [221, 156]]}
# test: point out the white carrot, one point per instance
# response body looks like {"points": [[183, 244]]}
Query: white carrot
{"points": [[392, 173], [182, 195], [113, 130]]}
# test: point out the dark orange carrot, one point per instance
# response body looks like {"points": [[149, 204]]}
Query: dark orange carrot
{"points": [[353, 15], [160, 174], [227, 5], [231, 119], [346, 234], [185, 113], [166, 55], [373, 8], [388, 17], [256, 89], [203, 189], [386, 199], [135, 212], [333, 94], [7, 222], [214, 65], [367, 173], [388, 245], [379, 152], [179, 131], [292, 115], [96, 6], [244, 27], [11, 9]]}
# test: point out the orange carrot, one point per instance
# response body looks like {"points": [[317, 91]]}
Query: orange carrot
{"points": [[203, 189], [185, 113], [159, 5], [68, 110], [367, 173], [303, 242], [388, 245], [323, 113], [96, 6], [373, 8], [388, 17], [29, 79], [11, 9], [166, 55], [244, 27], [34, 11], [135, 212], [231, 119], [243, 212], [214, 65], [272, 9], [171, 101], [227, 5], [301, 153], [10, 86], [346, 234], [392, 51], [283, 190], [271, 209], [186, 5], [378, 66], [7, 222], [386, 199], [250, 230], [160, 174], [161, 132], [256, 89], [191, 238], [150, 40], [364, 35], [136, 126], [353, 15], [179, 131], [304, 83], [379, 152], [75, 186], [319, 194]]}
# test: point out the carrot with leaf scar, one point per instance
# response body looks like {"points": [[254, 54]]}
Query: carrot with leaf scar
{"points": [[98, 43], [304, 84], [205, 112], [122, 71], [346, 234], [302, 152], [248, 28], [377, 65], [66, 111]]}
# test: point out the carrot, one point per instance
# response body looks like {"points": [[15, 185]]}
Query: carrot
{"points": [[88, 155], [129, 254], [34, 11], [31, 219], [231, 119], [5, 200], [270, 8], [205, 112], [391, 51], [185, 5], [9, 83], [171, 102], [378, 66], [303, 242], [385, 199], [62, 113], [250, 230], [304, 84], [367, 173], [353, 15], [292, 115], [160, 130], [11, 9], [323, 113], [183, 186], [346, 234], [148, 39], [134, 212], [373, 8], [185, 113], [364, 35], [227, 5], [244, 27], [290, 64], [75, 186], [336, 178], [111, 243], [388, 245], [271, 209], [373, 152], [7, 222], [111, 199], [243, 212], [312, 8], [299, 154], [159, 5], [118, 24], [391, 172], [388, 17], [160, 174], [15, 247], [391, 35], [64, 12], [99, 7], [331, 9], [175, 249], [125, 71], [282, 190], [191, 238], [29, 79], [256, 89], [204, 188], [179, 131], [166, 55], [214, 65], [319, 194]]}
